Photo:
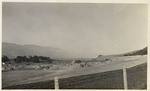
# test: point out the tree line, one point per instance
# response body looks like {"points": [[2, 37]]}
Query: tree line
{"points": [[35, 59]]}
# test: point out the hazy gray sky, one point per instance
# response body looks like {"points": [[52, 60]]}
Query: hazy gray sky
{"points": [[91, 29]]}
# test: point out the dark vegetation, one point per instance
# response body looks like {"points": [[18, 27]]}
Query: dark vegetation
{"points": [[77, 61], [20, 59]]}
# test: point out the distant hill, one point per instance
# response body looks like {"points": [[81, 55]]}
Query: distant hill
{"points": [[138, 52], [12, 50], [132, 53]]}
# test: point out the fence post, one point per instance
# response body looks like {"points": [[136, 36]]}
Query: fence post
{"points": [[125, 78], [56, 83]]}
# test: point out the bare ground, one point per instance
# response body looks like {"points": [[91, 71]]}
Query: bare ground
{"points": [[137, 79]]}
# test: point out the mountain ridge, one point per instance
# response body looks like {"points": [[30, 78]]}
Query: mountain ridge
{"points": [[12, 50]]}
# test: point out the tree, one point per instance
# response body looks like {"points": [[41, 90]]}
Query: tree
{"points": [[36, 59], [5, 58]]}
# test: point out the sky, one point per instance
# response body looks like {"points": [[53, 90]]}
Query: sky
{"points": [[88, 28]]}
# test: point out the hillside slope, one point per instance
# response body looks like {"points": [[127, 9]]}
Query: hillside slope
{"points": [[12, 50], [138, 52], [132, 53]]}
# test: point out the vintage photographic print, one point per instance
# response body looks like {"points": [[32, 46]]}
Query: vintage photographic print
{"points": [[56, 45]]}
